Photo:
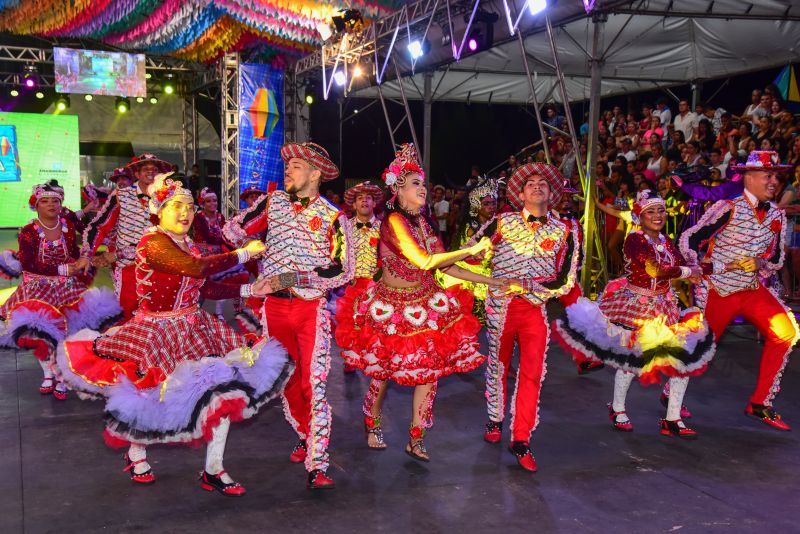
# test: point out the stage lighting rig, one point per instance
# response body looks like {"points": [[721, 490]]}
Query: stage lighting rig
{"points": [[537, 6], [349, 20], [62, 102], [481, 35], [123, 104], [168, 85], [339, 78], [153, 100], [31, 73], [417, 48], [14, 92], [88, 98]]}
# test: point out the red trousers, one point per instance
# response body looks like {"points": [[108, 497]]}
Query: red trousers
{"points": [[761, 309], [126, 291], [525, 324], [303, 328]]}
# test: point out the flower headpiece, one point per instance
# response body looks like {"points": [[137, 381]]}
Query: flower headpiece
{"points": [[204, 195], [406, 161], [48, 190], [486, 188], [762, 160], [644, 200], [163, 189]]}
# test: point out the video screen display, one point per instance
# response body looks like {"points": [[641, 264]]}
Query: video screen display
{"points": [[99, 73], [36, 148]]}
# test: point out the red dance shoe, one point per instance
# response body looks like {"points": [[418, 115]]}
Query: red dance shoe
{"points": [[685, 413], [622, 425], [589, 366], [47, 386], [522, 451], [211, 482], [60, 393], [317, 479], [677, 429], [768, 415], [299, 452], [494, 432], [148, 477]]}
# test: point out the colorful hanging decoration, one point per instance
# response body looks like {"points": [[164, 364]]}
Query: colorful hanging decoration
{"points": [[196, 30]]}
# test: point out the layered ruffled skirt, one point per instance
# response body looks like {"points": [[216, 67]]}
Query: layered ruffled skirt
{"points": [[170, 378], [641, 333], [412, 336], [44, 310]]}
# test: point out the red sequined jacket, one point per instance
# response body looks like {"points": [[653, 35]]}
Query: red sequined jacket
{"points": [[39, 256], [651, 264], [168, 278]]}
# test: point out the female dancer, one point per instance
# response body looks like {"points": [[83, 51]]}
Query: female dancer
{"points": [[54, 298], [637, 328], [404, 327], [207, 233], [175, 374]]}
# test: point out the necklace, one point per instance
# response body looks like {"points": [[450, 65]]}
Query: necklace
{"points": [[43, 225]]}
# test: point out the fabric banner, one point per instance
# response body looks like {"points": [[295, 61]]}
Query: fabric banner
{"points": [[260, 126]]}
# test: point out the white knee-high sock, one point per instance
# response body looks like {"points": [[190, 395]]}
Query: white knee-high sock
{"points": [[622, 381], [45, 365], [216, 449], [138, 452], [677, 388]]}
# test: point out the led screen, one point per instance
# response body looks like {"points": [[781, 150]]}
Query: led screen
{"points": [[99, 73]]}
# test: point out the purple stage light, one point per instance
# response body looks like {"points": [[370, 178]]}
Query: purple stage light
{"points": [[30, 83], [472, 44]]}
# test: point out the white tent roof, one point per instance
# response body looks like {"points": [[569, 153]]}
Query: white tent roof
{"points": [[643, 49]]}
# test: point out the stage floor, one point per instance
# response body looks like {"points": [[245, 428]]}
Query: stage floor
{"points": [[740, 476]]}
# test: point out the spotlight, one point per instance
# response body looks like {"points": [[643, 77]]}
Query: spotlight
{"points": [[309, 99], [324, 30], [62, 102], [147, 75], [415, 49], [30, 83], [537, 6], [39, 95], [30, 76], [88, 98], [472, 44], [122, 104], [169, 85], [339, 78], [139, 100], [168, 89], [14, 93], [357, 71], [153, 100]]}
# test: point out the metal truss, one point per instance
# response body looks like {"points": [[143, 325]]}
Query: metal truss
{"points": [[189, 135], [229, 74], [291, 107]]}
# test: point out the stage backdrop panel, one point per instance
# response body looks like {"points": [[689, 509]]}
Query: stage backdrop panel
{"points": [[260, 126], [34, 149]]}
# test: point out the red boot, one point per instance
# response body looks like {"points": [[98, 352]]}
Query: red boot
{"points": [[767, 415], [522, 451], [494, 432], [299, 452]]}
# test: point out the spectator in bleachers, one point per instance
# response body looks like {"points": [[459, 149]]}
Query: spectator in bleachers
{"points": [[663, 112], [686, 121], [755, 102]]}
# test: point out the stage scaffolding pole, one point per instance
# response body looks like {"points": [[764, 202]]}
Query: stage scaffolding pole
{"points": [[229, 68], [532, 86]]}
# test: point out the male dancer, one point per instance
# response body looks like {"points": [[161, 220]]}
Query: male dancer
{"points": [[538, 253], [740, 242], [309, 252], [365, 230], [124, 217]]}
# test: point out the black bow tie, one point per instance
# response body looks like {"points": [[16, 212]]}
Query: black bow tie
{"points": [[540, 220], [763, 206], [142, 196], [303, 201], [362, 225]]}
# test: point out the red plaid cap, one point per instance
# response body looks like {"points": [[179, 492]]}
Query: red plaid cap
{"points": [[364, 187], [314, 155], [162, 165], [120, 172], [252, 190], [521, 174]]}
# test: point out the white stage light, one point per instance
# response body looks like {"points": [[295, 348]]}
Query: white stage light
{"points": [[339, 78], [324, 30], [415, 49], [537, 6]]}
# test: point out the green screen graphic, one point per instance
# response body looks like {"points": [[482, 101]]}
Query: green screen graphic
{"points": [[39, 148]]}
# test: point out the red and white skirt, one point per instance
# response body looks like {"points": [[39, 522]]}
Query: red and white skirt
{"points": [[170, 377], [639, 331], [45, 309], [410, 335]]}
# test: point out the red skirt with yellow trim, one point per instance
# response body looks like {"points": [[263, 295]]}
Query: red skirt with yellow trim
{"points": [[645, 334], [45, 309], [412, 336], [169, 378]]}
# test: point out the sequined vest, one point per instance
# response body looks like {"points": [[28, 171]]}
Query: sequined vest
{"points": [[744, 236], [529, 250], [365, 247], [132, 223], [298, 240]]}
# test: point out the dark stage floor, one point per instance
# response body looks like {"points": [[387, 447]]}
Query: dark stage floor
{"points": [[740, 476]]}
